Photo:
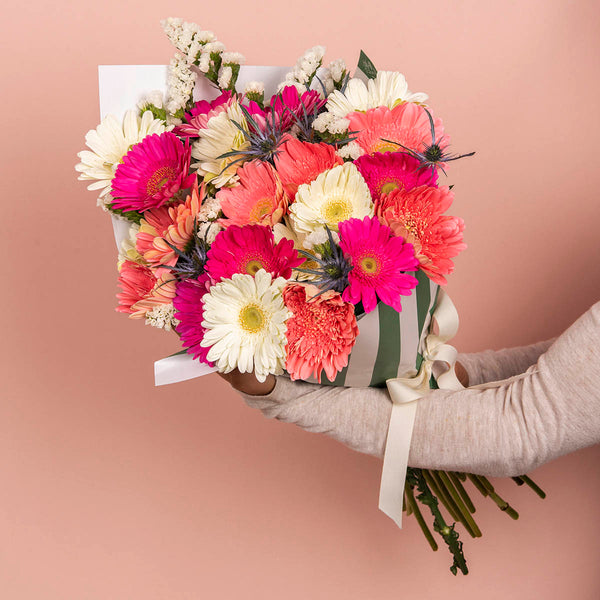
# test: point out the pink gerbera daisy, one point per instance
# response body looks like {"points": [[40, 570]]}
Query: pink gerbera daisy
{"points": [[249, 249], [416, 216], [320, 333], [378, 263], [301, 162], [257, 199], [406, 124], [152, 172], [290, 106], [201, 113], [388, 171], [189, 308]]}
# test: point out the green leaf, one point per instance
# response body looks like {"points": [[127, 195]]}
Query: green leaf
{"points": [[366, 66]]}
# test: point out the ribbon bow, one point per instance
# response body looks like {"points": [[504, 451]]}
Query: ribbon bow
{"points": [[439, 359]]}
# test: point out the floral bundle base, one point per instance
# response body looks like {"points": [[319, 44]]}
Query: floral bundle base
{"points": [[299, 231]]}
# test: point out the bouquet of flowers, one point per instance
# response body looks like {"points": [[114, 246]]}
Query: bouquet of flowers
{"points": [[302, 232]]}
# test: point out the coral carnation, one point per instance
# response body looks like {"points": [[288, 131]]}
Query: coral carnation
{"points": [[249, 249], [301, 162], [152, 172], [416, 215], [320, 333], [406, 124], [388, 171], [379, 260], [189, 309], [258, 199]]}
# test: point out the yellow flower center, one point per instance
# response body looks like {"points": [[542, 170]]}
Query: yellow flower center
{"points": [[370, 265], [159, 178], [252, 318], [253, 266], [260, 209], [382, 146], [388, 186], [336, 209]]}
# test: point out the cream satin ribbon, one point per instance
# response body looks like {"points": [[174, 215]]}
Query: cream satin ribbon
{"points": [[439, 359]]}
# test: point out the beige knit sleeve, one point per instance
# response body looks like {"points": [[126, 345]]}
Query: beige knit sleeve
{"points": [[549, 410]]}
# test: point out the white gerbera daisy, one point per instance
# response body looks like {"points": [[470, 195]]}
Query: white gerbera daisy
{"points": [[389, 88], [245, 318], [335, 195], [220, 137], [109, 142]]}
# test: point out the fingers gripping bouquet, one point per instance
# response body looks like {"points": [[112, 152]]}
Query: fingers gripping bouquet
{"points": [[304, 233]]}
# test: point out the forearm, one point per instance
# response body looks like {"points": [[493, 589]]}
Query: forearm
{"points": [[497, 365]]}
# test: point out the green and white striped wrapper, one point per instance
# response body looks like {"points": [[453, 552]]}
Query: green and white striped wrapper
{"points": [[389, 343]]}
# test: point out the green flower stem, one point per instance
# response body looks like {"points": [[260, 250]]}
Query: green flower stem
{"points": [[461, 476], [466, 518], [461, 490], [446, 497], [503, 505], [414, 508], [473, 479], [433, 484], [416, 478], [407, 506], [534, 486], [518, 480]]}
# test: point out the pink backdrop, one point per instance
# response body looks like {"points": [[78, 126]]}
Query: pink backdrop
{"points": [[111, 488]]}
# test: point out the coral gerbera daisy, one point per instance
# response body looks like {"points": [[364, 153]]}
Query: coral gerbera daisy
{"points": [[258, 199], [335, 195], [189, 308], [249, 249], [142, 291], [109, 142], [379, 261], [152, 172], [301, 162], [383, 129], [416, 215], [388, 171], [320, 333], [244, 319]]}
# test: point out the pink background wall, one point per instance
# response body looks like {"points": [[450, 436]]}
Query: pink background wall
{"points": [[113, 489]]}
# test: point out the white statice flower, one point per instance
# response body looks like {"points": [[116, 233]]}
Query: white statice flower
{"points": [[245, 321], [351, 150], [335, 195], [225, 74], [326, 122], [155, 98], [232, 58], [208, 230], [186, 37], [220, 136], [109, 142], [128, 249], [162, 316], [305, 68], [209, 209], [338, 70], [389, 88], [254, 87], [181, 82]]}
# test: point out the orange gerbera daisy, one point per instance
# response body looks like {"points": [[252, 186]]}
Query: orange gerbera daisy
{"points": [[165, 227]]}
